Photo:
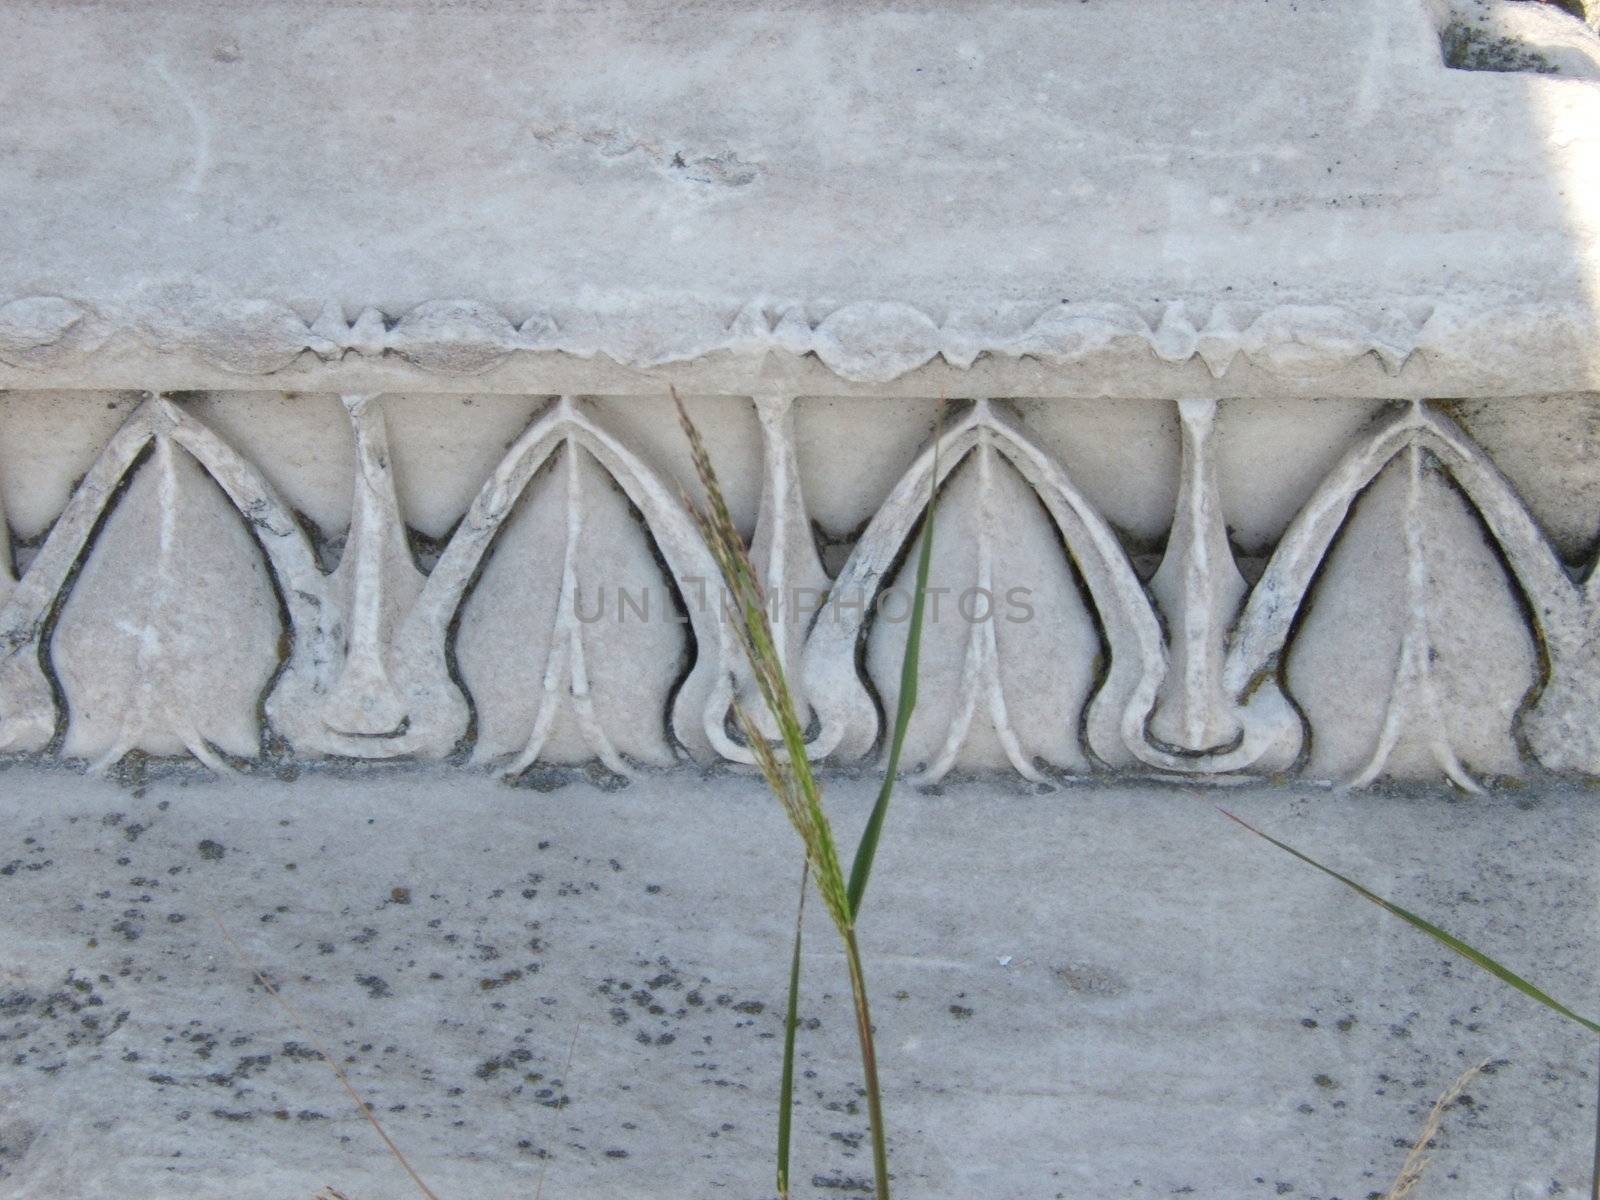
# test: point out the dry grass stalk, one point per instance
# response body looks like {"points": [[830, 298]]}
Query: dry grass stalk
{"points": [[790, 776], [1417, 1160], [566, 1071], [787, 770], [305, 1032]]}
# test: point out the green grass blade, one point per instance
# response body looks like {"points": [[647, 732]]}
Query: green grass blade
{"points": [[1470, 953], [867, 848], [796, 788], [791, 1023], [869, 1066], [1594, 1174]]}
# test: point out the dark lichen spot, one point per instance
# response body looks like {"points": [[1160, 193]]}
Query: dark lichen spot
{"points": [[1087, 979], [1467, 48], [843, 1183]]}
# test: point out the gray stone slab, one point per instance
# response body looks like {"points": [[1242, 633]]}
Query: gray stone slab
{"points": [[1081, 993], [878, 185]]}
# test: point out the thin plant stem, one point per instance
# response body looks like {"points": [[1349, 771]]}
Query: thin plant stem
{"points": [[794, 783], [544, 1167], [869, 1065], [791, 1024], [910, 668], [1416, 1161], [1467, 951], [305, 1031], [1594, 1173]]}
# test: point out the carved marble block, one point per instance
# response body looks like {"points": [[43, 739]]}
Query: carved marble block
{"points": [[335, 423], [1249, 588]]}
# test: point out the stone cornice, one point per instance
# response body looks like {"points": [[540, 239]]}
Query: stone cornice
{"points": [[870, 342]]}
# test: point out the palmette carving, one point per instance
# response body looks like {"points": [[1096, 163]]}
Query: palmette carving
{"points": [[1413, 618], [1445, 660], [152, 654], [850, 723], [566, 642], [1555, 603], [168, 686], [1009, 649], [439, 709]]}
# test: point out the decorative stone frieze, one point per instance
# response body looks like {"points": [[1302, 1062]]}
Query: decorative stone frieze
{"points": [[1245, 471], [1411, 618], [1246, 352]]}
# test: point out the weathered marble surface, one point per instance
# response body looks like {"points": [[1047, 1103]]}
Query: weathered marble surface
{"points": [[1088, 993], [1108, 198], [334, 345], [1325, 509], [1250, 590], [1492, 35]]}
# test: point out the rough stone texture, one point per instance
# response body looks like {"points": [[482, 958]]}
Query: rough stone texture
{"points": [[1108, 992], [1249, 589], [334, 341], [1493, 35], [322, 192], [1223, 591]]}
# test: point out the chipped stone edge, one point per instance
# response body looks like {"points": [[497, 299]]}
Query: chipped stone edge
{"points": [[863, 342]]}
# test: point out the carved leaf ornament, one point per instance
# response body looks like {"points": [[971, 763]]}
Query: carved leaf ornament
{"points": [[1412, 618], [147, 644]]}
